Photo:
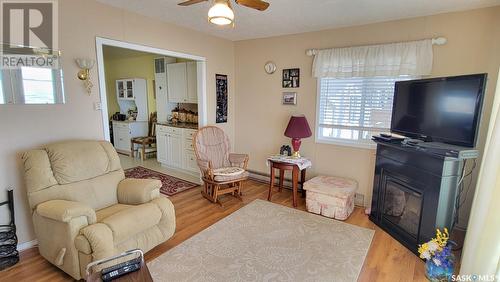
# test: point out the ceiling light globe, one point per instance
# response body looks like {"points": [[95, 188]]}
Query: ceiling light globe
{"points": [[221, 14]]}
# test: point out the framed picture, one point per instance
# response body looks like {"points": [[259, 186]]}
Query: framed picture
{"points": [[291, 78], [221, 93], [289, 98]]}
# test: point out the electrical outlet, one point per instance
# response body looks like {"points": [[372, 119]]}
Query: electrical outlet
{"points": [[359, 200]]}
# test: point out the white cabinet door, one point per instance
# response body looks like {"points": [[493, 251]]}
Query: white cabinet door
{"points": [[190, 161], [122, 139], [161, 147], [192, 82], [177, 83], [174, 150]]}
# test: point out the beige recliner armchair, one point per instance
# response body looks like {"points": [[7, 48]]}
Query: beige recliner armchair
{"points": [[84, 209]]}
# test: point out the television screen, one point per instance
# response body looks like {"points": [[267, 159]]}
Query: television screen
{"points": [[439, 109]]}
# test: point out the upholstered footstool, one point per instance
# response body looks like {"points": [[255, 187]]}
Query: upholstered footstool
{"points": [[330, 196]]}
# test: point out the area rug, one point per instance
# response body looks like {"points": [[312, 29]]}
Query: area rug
{"points": [[171, 185], [268, 242]]}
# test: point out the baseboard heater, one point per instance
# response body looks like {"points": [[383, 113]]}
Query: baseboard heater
{"points": [[264, 178]]}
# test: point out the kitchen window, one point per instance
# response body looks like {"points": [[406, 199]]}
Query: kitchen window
{"points": [[351, 110]]}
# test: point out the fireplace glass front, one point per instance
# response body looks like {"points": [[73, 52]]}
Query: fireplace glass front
{"points": [[402, 207]]}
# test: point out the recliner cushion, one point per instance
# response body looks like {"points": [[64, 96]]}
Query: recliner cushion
{"points": [[109, 211], [80, 160], [133, 220]]}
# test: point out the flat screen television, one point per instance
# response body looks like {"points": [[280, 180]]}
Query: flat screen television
{"points": [[445, 109]]}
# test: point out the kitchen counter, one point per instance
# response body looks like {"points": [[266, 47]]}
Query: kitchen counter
{"points": [[179, 124], [127, 121]]}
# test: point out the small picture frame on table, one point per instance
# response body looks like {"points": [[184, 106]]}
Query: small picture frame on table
{"points": [[289, 98]]}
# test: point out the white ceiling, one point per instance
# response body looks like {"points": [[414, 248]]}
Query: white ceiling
{"points": [[294, 16]]}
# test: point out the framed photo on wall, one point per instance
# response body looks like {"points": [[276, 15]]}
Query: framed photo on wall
{"points": [[291, 78], [289, 98], [221, 93]]}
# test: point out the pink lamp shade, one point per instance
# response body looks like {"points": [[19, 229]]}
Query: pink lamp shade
{"points": [[298, 127]]}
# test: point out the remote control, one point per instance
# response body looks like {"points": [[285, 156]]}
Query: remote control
{"points": [[121, 269]]}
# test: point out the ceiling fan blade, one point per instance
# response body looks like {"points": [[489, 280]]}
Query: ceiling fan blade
{"points": [[191, 2], [254, 4]]}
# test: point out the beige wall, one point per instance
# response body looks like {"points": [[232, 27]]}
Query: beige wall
{"points": [[261, 119], [129, 67], [481, 252], [80, 21]]}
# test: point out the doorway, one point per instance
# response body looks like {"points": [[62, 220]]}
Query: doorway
{"points": [[201, 93]]}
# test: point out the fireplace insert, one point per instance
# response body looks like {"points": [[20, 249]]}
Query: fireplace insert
{"points": [[414, 192]]}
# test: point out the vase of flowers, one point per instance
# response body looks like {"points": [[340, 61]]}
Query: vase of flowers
{"points": [[440, 262]]}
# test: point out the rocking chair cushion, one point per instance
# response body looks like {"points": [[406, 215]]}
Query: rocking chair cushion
{"points": [[228, 171], [224, 178]]}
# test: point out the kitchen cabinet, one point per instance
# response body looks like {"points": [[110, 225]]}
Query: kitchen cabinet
{"points": [[192, 82], [182, 82], [123, 131], [132, 93], [175, 148]]}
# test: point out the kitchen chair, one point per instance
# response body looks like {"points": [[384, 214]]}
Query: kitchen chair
{"points": [[145, 144]]}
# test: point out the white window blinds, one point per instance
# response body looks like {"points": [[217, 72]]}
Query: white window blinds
{"points": [[355, 108]]}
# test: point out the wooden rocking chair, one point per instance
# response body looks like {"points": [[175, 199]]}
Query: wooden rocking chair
{"points": [[222, 172]]}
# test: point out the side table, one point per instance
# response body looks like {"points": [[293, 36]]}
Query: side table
{"points": [[284, 166]]}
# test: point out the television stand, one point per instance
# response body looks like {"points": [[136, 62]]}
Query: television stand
{"points": [[414, 191]]}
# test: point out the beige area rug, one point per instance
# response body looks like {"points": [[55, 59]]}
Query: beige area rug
{"points": [[268, 242]]}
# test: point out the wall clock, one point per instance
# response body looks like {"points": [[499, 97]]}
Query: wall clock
{"points": [[270, 67]]}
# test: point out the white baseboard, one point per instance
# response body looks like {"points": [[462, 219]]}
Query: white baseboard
{"points": [[27, 245], [265, 178], [262, 177]]}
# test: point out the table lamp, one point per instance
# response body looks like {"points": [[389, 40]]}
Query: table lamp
{"points": [[297, 128]]}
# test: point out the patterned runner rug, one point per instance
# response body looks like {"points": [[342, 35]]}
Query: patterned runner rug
{"points": [[268, 242], [171, 185]]}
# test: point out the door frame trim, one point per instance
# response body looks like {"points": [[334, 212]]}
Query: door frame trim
{"points": [[201, 71]]}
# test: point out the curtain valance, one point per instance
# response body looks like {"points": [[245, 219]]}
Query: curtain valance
{"points": [[406, 58]]}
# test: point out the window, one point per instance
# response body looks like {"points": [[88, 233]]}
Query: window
{"points": [[351, 110], [31, 85], [38, 85]]}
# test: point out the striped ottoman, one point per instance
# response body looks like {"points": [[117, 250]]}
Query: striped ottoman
{"points": [[330, 196]]}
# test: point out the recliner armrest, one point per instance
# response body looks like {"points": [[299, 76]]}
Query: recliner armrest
{"points": [[133, 191], [239, 160], [64, 211]]}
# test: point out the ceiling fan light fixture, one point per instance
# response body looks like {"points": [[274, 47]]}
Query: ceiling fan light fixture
{"points": [[221, 13]]}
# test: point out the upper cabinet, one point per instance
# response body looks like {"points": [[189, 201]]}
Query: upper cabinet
{"points": [[182, 82], [192, 82], [132, 95], [177, 83]]}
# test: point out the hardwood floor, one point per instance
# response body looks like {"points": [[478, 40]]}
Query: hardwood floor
{"points": [[387, 259]]}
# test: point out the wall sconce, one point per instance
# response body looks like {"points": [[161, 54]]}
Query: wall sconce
{"points": [[84, 74]]}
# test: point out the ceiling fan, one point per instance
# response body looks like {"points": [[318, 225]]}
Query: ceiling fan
{"points": [[221, 13]]}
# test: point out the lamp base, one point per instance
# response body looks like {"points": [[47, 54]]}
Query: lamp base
{"points": [[296, 155]]}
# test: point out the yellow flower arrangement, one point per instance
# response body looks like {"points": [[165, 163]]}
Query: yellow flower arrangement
{"points": [[427, 250]]}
